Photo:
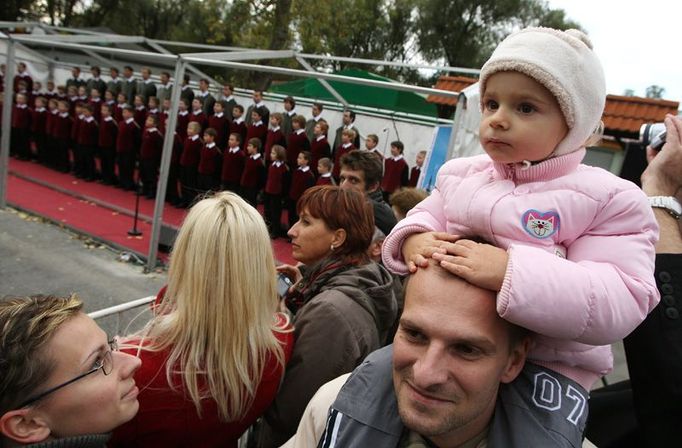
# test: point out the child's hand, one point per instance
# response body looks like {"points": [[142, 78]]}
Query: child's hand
{"points": [[480, 264], [419, 247]]}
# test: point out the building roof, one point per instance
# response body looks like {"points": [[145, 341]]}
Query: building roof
{"points": [[622, 114]]}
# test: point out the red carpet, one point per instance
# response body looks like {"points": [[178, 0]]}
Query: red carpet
{"points": [[100, 211]]}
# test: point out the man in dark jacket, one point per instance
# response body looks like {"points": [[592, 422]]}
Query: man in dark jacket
{"points": [[362, 171]]}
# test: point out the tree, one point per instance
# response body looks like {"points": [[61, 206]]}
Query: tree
{"points": [[629, 92], [654, 91], [465, 32]]}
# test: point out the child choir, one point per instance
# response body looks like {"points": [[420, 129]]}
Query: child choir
{"points": [[113, 133]]}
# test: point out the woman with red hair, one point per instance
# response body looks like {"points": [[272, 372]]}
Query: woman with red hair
{"points": [[343, 303]]}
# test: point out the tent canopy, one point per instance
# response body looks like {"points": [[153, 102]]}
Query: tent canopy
{"points": [[379, 97]]}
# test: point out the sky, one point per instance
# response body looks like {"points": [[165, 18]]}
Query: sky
{"points": [[638, 43]]}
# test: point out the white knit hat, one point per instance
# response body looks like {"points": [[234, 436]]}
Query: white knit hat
{"points": [[562, 61]]}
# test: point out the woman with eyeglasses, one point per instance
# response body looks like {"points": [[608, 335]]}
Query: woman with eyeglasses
{"points": [[63, 383], [343, 302], [214, 353]]}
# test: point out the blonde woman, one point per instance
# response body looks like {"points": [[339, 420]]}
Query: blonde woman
{"points": [[215, 352]]}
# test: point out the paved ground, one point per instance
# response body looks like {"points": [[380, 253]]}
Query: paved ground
{"points": [[37, 257]]}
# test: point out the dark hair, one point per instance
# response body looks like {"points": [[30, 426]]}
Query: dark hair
{"points": [[307, 155], [398, 144], [238, 136], [186, 77], [127, 67], [255, 142], [351, 114], [366, 162], [166, 73], [290, 100], [257, 112], [129, 108], [300, 119], [204, 80], [405, 199], [342, 208], [87, 107], [96, 69], [114, 69], [319, 106], [240, 107], [279, 151], [154, 118], [212, 132]]}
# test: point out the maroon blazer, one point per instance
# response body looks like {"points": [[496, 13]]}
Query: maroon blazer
{"points": [[329, 180], [300, 182], [181, 125], [39, 121], [50, 121], [233, 166], [277, 176], [200, 118], [21, 117], [396, 174], [340, 152], [108, 130], [62, 127], [295, 144], [208, 161], [177, 149], [220, 124], [259, 132], [88, 132], [191, 152], [319, 149], [26, 78], [128, 137], [273, 138], [414, 176], [254, 172], [96, 109], [239, 128], [118, 112], [152, 145], [140, 116]]}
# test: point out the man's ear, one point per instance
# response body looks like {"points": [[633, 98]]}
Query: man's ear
{"points": [[372, 188], [517, 359], [24, 426]]}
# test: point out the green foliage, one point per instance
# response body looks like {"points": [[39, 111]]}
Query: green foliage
{"points": [[655, 91]]}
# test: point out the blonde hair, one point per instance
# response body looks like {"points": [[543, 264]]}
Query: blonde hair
{"points": [[28, 324], [218, 314]]}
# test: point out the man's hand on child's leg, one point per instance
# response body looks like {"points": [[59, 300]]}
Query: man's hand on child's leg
{"points": [[419, 247], [480, 264]]}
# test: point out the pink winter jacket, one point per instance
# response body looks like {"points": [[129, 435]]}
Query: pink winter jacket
{"points": [[580, 244]]}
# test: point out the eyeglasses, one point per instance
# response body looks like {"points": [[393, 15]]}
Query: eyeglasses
{"points": [[104, 363]]}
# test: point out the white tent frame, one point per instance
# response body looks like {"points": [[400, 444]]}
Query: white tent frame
{"points": [[228, 57]]}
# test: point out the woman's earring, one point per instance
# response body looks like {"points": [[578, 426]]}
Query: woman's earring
{"points": [[332, 248]]}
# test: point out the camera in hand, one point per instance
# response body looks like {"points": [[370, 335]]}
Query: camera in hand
{"points": [[652, 134]]}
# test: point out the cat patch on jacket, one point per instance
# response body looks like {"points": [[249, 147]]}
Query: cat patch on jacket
{"points": [[539, 224]]}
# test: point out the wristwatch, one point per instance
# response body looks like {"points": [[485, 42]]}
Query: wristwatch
{"points": [[669, 203]]}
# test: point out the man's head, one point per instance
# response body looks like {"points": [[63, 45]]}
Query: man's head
{"points": [[360, 170], [146, 73], [203, 84], [75, 72], [348, 117], [451, 353], [165, 78]]}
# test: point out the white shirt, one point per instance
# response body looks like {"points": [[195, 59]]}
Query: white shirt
{"points": [[210, 145], [326, 175], [154, 111], [203, 94], [305, 169], [234, 150], [152, 130], [346, 145], [182, 113], [275, 129], [277, 163], [396, 158], [40, 109], [63, 114], [108, 119], [197, 112], [299, 131], [319, 137], [239, 120], [291, 113], [258, 123], [89, 119], [22, 106], [194, 137], [130, 120], [219, 115], [139, 107], [256, 156]]}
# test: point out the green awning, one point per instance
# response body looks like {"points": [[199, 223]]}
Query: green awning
{"points": [[355, 94]]}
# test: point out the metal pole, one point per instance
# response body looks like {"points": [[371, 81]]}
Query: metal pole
{"points": [[324, 82], [190, 67], [165, 167], [6, 121], [456, 121], [470, 71]]}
